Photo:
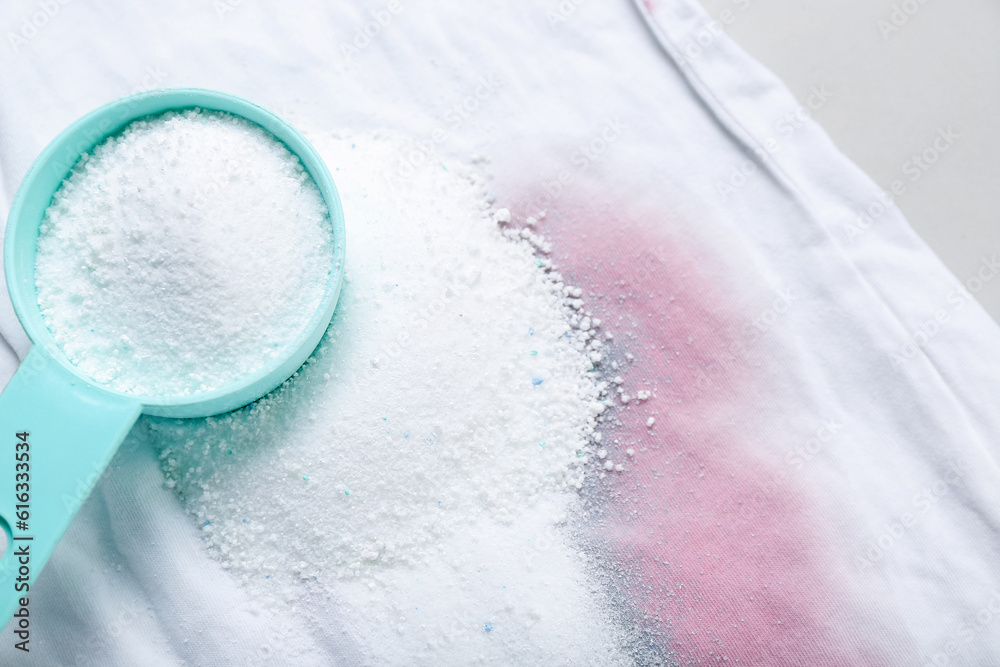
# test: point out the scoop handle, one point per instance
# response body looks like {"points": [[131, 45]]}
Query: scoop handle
{"points": [[66, 430]]}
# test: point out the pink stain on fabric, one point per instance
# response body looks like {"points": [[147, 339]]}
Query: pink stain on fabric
{"points": [[718, 546]]}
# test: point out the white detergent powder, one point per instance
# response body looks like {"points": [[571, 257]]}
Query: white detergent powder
{"points": [[420, 470], [182, 254]]}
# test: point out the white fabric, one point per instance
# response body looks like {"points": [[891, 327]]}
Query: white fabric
{"points": [[131, 583]]}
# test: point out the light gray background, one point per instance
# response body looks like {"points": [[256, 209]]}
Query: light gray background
{"points": [[889, 96]]}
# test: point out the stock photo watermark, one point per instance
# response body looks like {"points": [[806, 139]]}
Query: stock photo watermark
{"points": [[423, 150], [712, 30], [809, 448], [562, 12], [914, 168], [897, 527], [980, 619], [224, 7], [31, 24], [814, 446], [899, 16], [585, 156], [736, 351], [956, 299], [100, 642], [369, 30], [786, 126]]}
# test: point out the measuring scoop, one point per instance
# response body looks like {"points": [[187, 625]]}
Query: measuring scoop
{"points": [[59, 428]]}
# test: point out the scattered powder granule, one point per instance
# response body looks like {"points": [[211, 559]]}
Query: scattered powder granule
{"points": [[422, 467], [182, 254]]}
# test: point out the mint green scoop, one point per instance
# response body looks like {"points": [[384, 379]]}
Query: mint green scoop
{"points": [[59, 429]]}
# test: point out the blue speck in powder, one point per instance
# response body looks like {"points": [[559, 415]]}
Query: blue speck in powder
{"points": [[489, 628], [537, 381], [531, 331], [406, 435], [207, 522]]}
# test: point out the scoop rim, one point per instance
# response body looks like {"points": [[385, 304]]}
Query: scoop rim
{"points": [[90, 130]]}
